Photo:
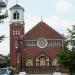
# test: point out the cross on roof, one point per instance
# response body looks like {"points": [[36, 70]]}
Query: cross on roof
{"points": [[41, 18], [16, 1]]}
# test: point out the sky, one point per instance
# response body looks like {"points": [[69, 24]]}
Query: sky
{"points": [[59, 14]]}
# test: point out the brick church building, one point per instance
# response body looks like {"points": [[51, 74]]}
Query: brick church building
{"points": [[34, 51]]}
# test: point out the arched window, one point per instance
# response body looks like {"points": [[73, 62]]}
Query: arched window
{"points": [[55, 62], [29, 62], [42, 61], [15, 15]]}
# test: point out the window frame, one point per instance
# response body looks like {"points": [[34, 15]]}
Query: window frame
{"points": [[29, 62], [16, 15]]}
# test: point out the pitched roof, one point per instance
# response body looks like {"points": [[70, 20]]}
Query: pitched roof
{"points": [[42, 30], [16, 6]]}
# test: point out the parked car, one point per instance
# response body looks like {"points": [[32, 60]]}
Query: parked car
{"points": [[6, 71], [10, 70]]}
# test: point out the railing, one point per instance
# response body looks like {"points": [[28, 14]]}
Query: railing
{"points": [[40, 70]]}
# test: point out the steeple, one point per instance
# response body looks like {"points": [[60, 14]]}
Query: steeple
{"points": [[16, 31], [16, 13]]}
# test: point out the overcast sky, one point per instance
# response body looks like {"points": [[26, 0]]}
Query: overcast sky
{"points": [[59, 14]]}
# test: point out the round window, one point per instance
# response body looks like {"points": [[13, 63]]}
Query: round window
{"points": [[42, 43]]}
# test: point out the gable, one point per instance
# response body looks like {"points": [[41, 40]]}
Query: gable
{"points": [[42, 53], [42, 30], [16, 6]]}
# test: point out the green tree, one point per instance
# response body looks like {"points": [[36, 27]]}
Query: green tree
{"points": [[67, 56], [71, 37], [3, 13], [66, 42], [2, 37], [5, 62]]}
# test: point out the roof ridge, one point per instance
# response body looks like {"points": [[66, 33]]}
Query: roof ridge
{"points": [[42, 28], [37, 25], [16, 6]]}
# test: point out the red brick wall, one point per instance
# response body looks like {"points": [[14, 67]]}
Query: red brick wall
{"points": [[13, 39]]}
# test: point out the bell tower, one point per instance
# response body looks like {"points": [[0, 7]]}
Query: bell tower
{"points": [[16, 31]]}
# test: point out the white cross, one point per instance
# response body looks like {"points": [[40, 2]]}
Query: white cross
{"points": [[16, 1], [41, 18]]}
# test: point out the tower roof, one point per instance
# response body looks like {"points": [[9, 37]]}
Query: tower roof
{"points": [[16, 6]]}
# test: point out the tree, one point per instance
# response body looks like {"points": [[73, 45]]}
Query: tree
{"points": [[71, 37], [3, 15], [5, 62], [67, 56], [2, 37], [66, 42], [3, 11]]}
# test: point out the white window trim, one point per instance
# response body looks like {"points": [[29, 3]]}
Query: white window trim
{"points": [[50, 42]]}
